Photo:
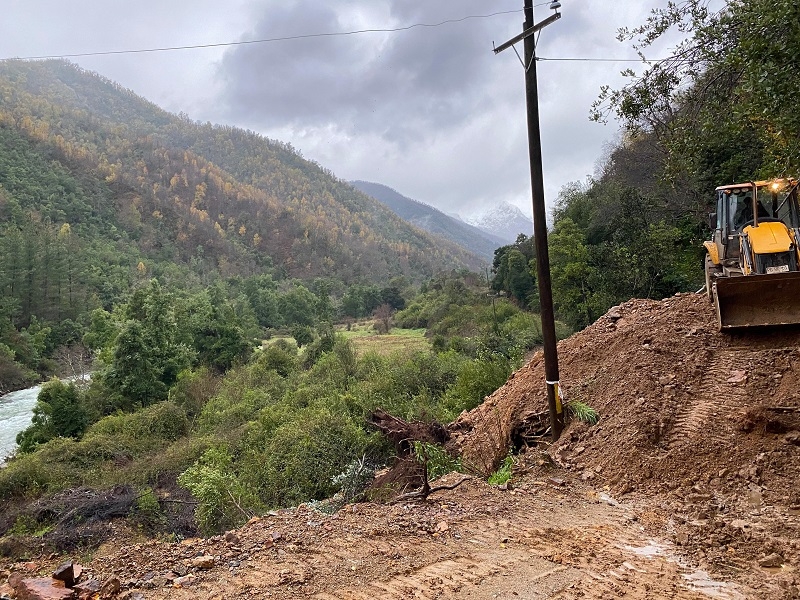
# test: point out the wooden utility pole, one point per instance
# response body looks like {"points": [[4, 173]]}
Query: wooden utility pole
{"points": [[540, 213]]}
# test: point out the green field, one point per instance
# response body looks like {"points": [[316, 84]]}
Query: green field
{"points": [[366, 340]]}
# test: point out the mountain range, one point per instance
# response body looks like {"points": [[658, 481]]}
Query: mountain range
{"points": [[476, 240]]}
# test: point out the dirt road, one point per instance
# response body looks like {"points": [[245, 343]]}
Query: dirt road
{"points": [[542, 539]]}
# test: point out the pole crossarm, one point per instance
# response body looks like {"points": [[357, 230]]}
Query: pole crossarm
{"points": [[528, 32]]}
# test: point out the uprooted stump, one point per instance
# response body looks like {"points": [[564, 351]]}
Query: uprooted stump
{"points": [[406, 472], [404, 433]]}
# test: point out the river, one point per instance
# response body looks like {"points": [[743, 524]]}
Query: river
{"points": [[16, 411]]}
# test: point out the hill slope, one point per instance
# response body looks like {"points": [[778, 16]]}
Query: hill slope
{"points": [[708, 428], [434, 221], [213, 198]]}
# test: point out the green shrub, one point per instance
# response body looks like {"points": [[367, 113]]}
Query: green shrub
{"points": [[503, 473], [147, 511], [438, 461], [279, 358], [193, 389], [165, 421], [476, 379], [220, 495], [59, 412], [293, 457]]}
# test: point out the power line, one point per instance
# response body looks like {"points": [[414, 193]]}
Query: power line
{"points": [[587, 59], [268, 40]]}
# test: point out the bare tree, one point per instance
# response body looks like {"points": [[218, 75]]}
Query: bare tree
{"points": [[383, 318]]}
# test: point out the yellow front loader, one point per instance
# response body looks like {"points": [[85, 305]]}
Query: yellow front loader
{"points": [[752, 260]]}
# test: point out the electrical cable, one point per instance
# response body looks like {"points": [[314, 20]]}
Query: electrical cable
{"points": [[266, 40], [321, 35]]}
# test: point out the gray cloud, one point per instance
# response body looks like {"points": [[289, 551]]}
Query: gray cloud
{"points": [[398, 86]]}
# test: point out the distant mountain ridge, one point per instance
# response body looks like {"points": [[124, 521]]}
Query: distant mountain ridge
{"points": [[505, 221], [434, 221]]}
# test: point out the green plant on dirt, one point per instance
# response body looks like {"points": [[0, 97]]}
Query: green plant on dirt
{"points": [[577, 409], [437, 460], [27, 525], [503, 473], [353, 480], [148, 511]]}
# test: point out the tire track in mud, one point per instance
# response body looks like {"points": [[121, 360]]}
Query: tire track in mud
{"points": [[594, 562], [720, 393]]}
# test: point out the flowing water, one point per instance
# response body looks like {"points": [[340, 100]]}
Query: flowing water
{"points": [[16, 411]]}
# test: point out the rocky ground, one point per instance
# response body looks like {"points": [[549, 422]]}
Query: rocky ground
{"points": [[686, 488]]}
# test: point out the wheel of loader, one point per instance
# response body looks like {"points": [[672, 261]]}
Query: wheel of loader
{"points": [[710, 269]]}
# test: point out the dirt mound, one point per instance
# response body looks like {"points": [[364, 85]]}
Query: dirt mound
{"points": [[708, 421]]}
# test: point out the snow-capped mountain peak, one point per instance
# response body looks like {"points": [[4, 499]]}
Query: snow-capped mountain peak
{"points": [[504, 220]]}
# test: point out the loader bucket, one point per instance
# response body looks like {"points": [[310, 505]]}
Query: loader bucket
{"points": [[757, 300]]}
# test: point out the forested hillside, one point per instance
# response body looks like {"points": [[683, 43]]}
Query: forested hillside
{"points": [[100, 189]]}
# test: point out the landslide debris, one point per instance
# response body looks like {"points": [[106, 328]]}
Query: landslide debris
{"points": [[705, 423]]}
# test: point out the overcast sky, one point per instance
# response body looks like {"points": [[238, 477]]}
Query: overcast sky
{"points": [[430, 111]]}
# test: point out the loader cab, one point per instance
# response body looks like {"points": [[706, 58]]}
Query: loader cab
{"points": [[748, 204]]}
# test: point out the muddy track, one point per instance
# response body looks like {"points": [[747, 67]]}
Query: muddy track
{"points": [[477, 542], [720, 393]]}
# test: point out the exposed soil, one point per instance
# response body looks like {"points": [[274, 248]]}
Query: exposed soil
{"points": [[686, 488]]}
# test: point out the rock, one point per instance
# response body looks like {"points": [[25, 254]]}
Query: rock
{"points": [[203, 562], [43, 588], [180, 570], [65, 573], [771, 561], [14, 580], [184, 581], [740, 524], [232, 538], [109, 588], [737, 377], [87, 589], [793, 437], [556, 481], [442, 526]]}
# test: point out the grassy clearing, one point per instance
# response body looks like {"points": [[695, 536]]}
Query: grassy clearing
{"points": [[366, 340]]}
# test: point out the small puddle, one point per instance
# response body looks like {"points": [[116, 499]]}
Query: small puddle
{"points": [[649, 551], [698, 581], [702, 582]]}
